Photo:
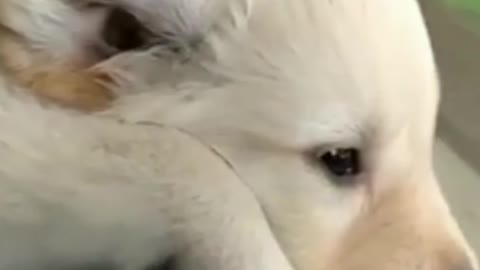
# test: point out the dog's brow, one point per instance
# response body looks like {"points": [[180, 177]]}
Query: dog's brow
{"points": [[340, 128]]}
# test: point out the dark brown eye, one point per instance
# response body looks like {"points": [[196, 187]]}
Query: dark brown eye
{"points": [[123, 31], [342, 163]]}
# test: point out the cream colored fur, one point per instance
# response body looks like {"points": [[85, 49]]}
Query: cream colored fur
{"points": [[208, 163]]}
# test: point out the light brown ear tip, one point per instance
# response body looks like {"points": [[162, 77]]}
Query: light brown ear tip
{"points": [[89, 98], [84, 103], [103, 78], [92, 103], [83, 91]]}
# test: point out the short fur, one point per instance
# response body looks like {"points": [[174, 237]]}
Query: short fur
{"points": [[209, 162]]}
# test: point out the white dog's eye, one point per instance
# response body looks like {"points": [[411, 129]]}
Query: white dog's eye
{"points": [[343, 163]]}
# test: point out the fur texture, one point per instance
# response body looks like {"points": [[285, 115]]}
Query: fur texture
{"points": [[48, 47], [209, 162]]}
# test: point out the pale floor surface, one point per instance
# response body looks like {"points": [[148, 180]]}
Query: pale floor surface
{"points": [[461, 186], [457, 51]]}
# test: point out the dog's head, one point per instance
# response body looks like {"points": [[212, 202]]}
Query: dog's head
{"points": [[326, 109]]}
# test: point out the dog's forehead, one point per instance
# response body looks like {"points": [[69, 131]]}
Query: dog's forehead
{"points": [[345, 63], [313, 70]]}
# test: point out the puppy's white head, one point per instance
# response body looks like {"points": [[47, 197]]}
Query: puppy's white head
{"points": [[326, 109]]}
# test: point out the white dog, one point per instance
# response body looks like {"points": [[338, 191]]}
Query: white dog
{"points": [[293, 134]]}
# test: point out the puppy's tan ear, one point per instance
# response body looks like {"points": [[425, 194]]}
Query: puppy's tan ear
{"points": [[81, 90], [63, 85]]}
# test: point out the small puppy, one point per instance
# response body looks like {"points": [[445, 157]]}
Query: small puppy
{"points": [[49, 47]]}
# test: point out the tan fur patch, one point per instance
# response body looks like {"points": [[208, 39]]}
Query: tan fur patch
{"points": [[79, 90]]}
